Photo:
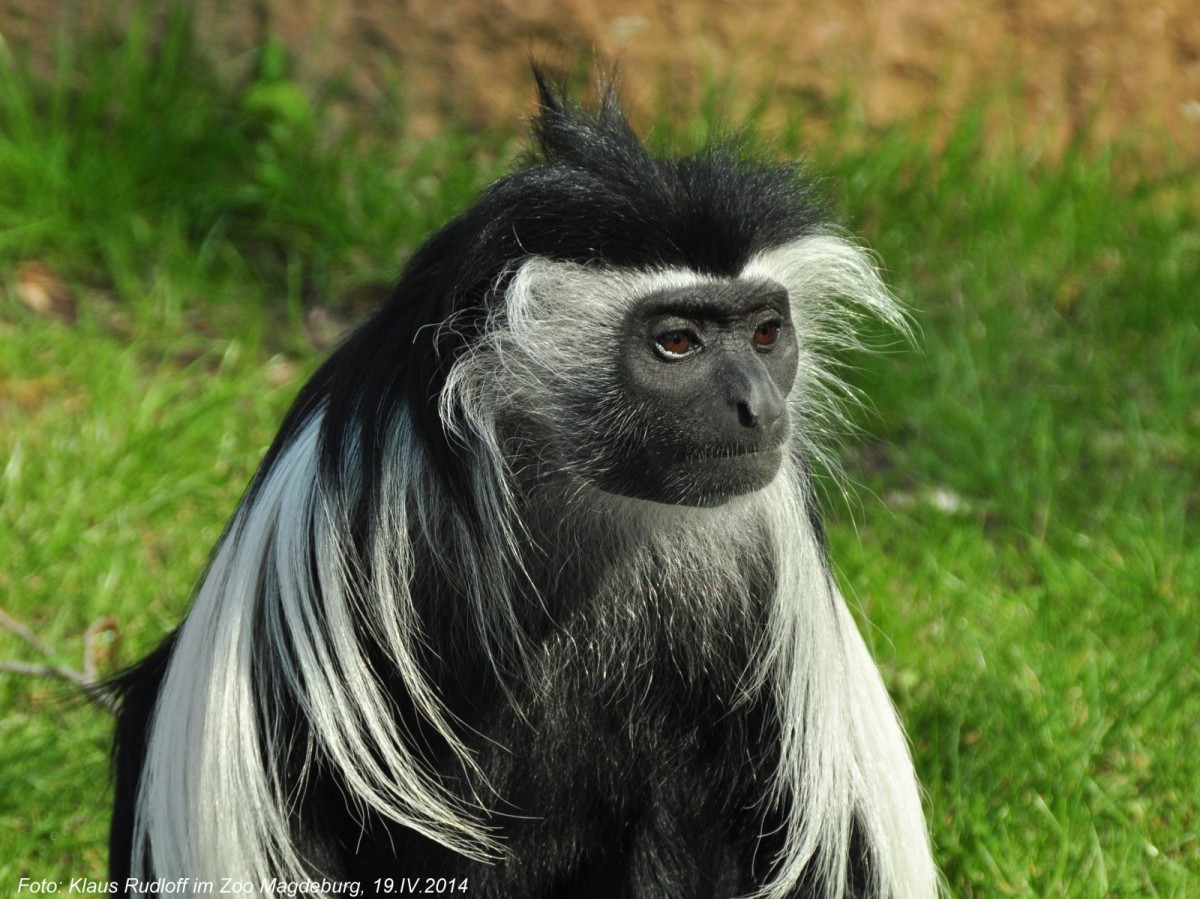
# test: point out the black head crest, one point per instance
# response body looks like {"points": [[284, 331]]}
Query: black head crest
{"points": [[566, 135]]}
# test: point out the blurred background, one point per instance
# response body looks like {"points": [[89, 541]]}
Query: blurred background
{"points": [[196, 201], [1108, 67]]}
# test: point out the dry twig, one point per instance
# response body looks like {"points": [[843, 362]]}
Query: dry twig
{"points": [[87, 680]]}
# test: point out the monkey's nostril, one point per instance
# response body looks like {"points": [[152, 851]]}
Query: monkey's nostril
{"points": [[759, 412]]}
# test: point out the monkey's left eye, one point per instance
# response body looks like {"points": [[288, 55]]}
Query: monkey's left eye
{"points": [[766, 334]]}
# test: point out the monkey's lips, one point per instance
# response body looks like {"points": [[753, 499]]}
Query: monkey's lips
{"points": [[706, 479]]}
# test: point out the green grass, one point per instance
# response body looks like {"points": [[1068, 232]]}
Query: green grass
{"points": [[1041, 637]]}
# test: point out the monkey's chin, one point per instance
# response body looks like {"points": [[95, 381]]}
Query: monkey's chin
{"points": [[706, 482]]}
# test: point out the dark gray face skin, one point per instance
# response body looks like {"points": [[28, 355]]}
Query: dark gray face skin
{"points": [[705, 373]]}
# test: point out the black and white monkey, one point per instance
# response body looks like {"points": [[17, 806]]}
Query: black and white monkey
{"points": [[531, 589]]}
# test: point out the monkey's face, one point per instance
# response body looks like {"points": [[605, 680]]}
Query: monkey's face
{"points": [[701, 411]]}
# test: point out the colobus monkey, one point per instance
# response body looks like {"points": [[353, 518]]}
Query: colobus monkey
{"points": [[530, 592]]}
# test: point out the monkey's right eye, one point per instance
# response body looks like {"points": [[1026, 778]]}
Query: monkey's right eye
{"points": [[673, 344]]}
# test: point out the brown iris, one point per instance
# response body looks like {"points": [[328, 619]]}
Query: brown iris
{"points": [[766, 334], [677, 343]]}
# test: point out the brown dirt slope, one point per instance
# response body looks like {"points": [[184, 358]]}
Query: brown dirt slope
{"points": [[1117, 68]]}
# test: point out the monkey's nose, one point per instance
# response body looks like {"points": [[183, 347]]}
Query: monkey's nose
{"points": [[760, 406]]}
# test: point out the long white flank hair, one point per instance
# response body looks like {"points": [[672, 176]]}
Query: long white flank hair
{"points": [[283, 595]]}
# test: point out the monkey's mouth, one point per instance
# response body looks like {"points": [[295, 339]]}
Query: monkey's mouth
{"points": [[707, 479], [734, 453]]}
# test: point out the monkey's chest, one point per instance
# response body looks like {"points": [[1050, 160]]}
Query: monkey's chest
{"points": [[633, 751], [621, 782]]}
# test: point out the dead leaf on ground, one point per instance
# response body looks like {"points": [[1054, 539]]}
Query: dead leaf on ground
{"points": [[44, 293]]}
